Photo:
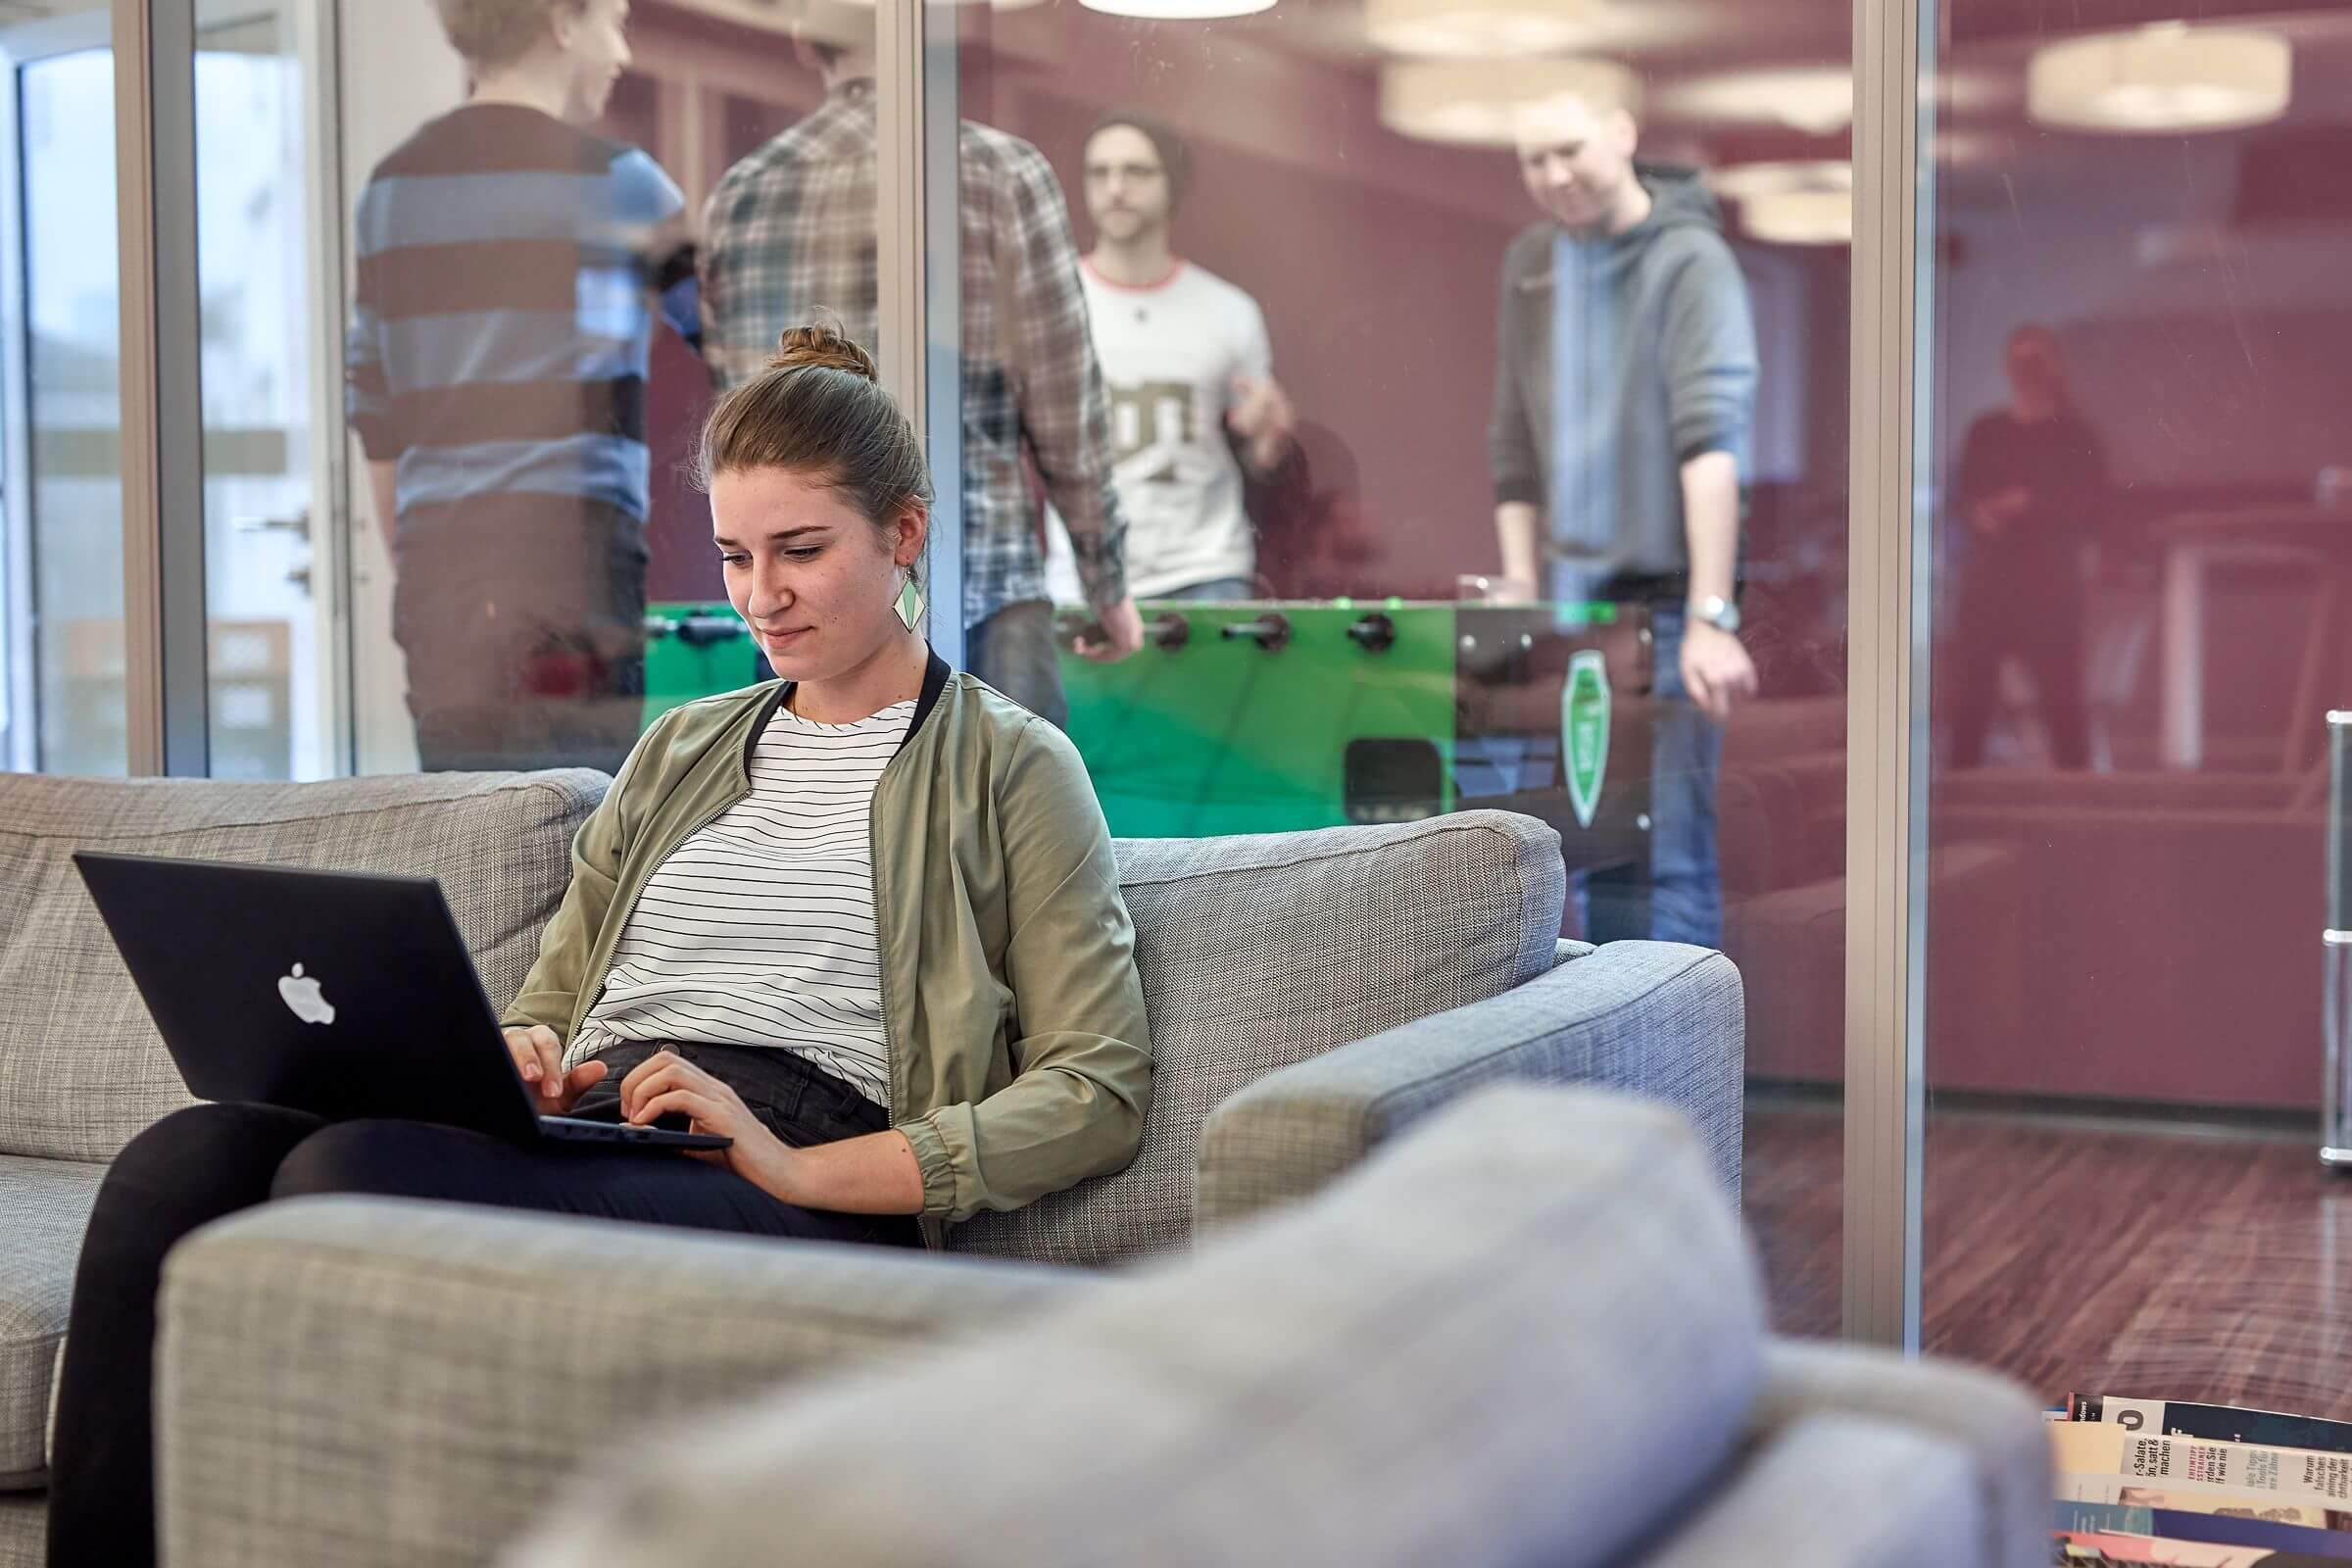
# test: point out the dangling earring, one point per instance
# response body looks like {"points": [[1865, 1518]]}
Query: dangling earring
{"points": [[910, 603]]}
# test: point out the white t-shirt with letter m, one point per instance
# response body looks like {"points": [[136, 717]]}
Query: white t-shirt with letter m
{"points": [[1169, 354]]}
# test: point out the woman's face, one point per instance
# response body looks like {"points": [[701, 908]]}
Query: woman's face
{"points": [[817, 583]]}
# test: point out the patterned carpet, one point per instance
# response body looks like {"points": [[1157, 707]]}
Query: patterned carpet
{"points": [[2151, 1263]]}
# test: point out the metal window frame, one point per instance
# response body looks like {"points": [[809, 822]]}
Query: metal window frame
{"points": [[166, 700], [1889, 624], [20, 735], [919, 257]]}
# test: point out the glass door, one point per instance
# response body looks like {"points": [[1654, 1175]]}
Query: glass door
{"points": [[2142, 355], [1472, 385], [274, 704], [61, 615]]}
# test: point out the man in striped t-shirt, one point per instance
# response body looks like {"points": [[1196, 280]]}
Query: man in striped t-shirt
{"points": [[509, 269]]}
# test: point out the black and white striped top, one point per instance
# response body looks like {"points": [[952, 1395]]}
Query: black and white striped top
{"points": [[758, 930]]}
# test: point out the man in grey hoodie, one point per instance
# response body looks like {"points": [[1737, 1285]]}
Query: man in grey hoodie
{"points": [[1625, 391]]}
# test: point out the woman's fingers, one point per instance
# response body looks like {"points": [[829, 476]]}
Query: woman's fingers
{"points": [[659, 1071], [637, 1077], [693, 1102]]}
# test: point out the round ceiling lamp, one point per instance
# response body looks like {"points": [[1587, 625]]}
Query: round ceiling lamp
{"points": [[1800, 218], [1478, 103], [1178, 10], [1798, 203], [1743, 183], [1471, 30], [2165, 77], [1819, 102]]}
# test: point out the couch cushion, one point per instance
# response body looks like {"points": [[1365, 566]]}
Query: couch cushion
{"points": [[1528, 1332], [81, 1070], [1260, 951], [48, 1204]]}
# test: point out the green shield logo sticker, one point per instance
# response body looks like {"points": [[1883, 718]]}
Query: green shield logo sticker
{"points": [[1585, 731]]}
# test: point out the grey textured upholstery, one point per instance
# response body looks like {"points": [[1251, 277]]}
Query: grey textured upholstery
{"points": [[1994, 1420], [389, 1383], [48, 1202], [1837, 1491], [1657, 1019], [24, 1530], [427, 1374], [77, 1081], [1258, 952], [1288, 1396]]}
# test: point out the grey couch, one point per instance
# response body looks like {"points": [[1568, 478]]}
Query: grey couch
{"points": [[1527, 1332], [1311, 994]]}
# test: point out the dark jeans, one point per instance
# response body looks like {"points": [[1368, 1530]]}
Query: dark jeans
{"points": [[1014, 651], [208, 1161], [1678, 896], [522, 617], [2029, 608]]}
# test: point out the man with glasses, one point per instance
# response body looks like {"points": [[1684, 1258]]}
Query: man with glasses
{"points": [[1189, 373]]}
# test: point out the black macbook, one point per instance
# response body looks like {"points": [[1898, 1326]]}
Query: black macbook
{"points": [[338, 993]]}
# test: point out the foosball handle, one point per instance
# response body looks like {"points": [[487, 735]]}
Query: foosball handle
{"points": [[1271, 631], [1375, 633]]}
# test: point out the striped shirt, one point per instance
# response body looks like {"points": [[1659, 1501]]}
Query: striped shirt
{"points": [[501, 333], [758, 930], [790, 231]]}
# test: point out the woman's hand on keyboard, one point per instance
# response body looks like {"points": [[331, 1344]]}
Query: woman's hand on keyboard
{"points": [[539, 1057], [667, 1084]]}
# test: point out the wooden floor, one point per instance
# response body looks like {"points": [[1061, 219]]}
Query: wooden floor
{"points": [[2153, 1263]]}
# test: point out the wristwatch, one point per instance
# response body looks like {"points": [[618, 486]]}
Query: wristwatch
{"points": [[1717, 612]]}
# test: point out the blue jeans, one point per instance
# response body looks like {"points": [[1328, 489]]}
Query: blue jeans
{"points": [[1219, 591], [1678, 896], [1013, 651]]}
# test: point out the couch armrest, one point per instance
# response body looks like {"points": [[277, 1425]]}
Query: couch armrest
{"points": [[1653, 1017], [355, 1381], [1990, 1418], [1842, 1492]]}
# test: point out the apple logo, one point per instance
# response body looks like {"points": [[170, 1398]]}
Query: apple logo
{"points": [[302, 996]]}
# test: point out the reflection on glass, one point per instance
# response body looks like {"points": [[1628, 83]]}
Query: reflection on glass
{"points": [[265, 712], [2140, 348], [1431, 322], [512, 265], [69, 345]]}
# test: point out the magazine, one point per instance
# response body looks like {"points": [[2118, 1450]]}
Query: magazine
{"points": [[2221, 1422], [2076, 1549], [2124, 1492], [2198, 1465], [2228, 1529]]}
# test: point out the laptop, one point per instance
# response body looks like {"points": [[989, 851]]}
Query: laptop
{"points": [[343, 994]]}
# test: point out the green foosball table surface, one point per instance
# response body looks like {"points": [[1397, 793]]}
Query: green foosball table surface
{"points": [[1269, 718], [1265, 717]]}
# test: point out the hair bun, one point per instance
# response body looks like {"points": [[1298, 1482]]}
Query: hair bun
{"points": [[823, 348]]}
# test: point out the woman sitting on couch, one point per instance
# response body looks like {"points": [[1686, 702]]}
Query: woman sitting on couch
{"points": [[863, 920]]}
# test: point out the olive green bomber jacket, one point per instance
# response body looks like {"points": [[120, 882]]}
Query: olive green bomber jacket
{"points": [[1019, 1057]]}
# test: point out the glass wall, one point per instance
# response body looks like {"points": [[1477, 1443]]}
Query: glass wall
{"points": [[271, 703], [1452, 360], [2142, 492], [60, 577], [525, 362]]}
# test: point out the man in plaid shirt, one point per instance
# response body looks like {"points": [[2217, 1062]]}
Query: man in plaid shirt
{"points": [[790, 232]]}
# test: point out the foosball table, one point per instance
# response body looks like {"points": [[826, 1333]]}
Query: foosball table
{"points": [[1271, 717]]}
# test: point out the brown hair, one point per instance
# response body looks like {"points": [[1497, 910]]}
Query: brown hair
{"points": [[491, 33], [819, 409]]}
